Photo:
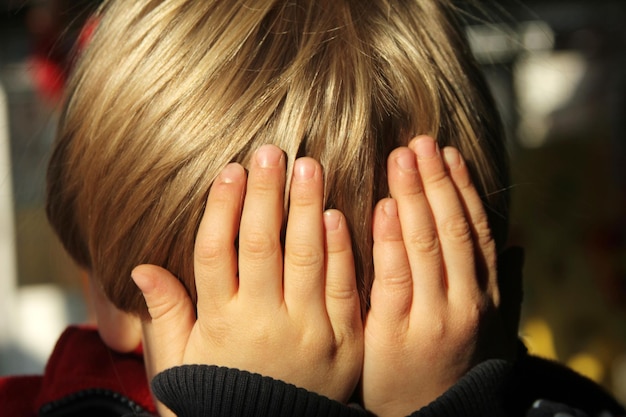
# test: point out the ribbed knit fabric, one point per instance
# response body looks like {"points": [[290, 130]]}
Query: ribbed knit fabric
{"points": [[478, 394], [200, 390], [494, 388]]}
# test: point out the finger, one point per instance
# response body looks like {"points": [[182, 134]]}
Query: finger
{"points": [[172, 312], [260, 251], [342, 297], [418, 227], [453, 228], [392, 290], [215, 257], [483, 243], [304, 239]]}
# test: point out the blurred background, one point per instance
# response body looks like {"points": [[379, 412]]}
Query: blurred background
{"points": [[558, 71]]}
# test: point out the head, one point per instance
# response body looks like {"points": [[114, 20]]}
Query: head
{"points": [[169, 91]]}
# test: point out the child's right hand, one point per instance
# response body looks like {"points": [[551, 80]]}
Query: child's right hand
{"points": [[294, 317], [435, 293]]}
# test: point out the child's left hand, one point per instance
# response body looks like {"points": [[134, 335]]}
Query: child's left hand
{"points": [[434, 301], [295, 317]]}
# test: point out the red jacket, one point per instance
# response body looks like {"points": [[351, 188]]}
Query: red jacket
{"points": [[82, 372]]}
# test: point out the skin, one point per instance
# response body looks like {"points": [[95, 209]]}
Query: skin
{"points": [[428, 301], [119, 330], [434, 294], [254, 301]]}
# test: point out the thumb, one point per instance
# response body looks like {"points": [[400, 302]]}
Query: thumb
{"points": [[172, 317]]}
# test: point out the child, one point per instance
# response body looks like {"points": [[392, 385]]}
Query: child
{"points": [[169, 93]]}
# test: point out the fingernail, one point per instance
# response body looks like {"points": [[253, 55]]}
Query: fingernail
{"points": [[303, 169], [390, 208], [268, 156], [332, 219], [425, 147], [452, 157], [406, 161], [231, 173]]}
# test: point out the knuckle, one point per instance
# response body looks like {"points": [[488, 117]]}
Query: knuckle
{"points": [[495, 297], [320, 342], [338, 248], [396, 278], [303, 195], [415, 190], [303, 255], [438, 327], [390, 237], [161, 309], [472, 315], [340, 292], [456, 229], [265, 183], [483, 231], [263, 336], [210, 251], [219, 331], [436, 179], [424, 241], [258, 245], [463, 181], [266, 327]]}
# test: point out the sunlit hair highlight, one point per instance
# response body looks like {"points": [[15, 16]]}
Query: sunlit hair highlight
{"points": [[170, 91]]}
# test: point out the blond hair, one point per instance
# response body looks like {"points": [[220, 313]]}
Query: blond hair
{"points": [[169, 91]]}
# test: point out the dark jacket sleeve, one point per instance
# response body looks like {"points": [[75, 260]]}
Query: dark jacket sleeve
{"points": [[200, 390], [495, 388], [211, 391], [530, 387], [479, 393]]}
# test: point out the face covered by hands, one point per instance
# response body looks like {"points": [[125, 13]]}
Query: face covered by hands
{"points": [[294, 315]]}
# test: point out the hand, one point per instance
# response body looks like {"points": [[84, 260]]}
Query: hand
{"points": [[295, 317], [435, 291]]}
